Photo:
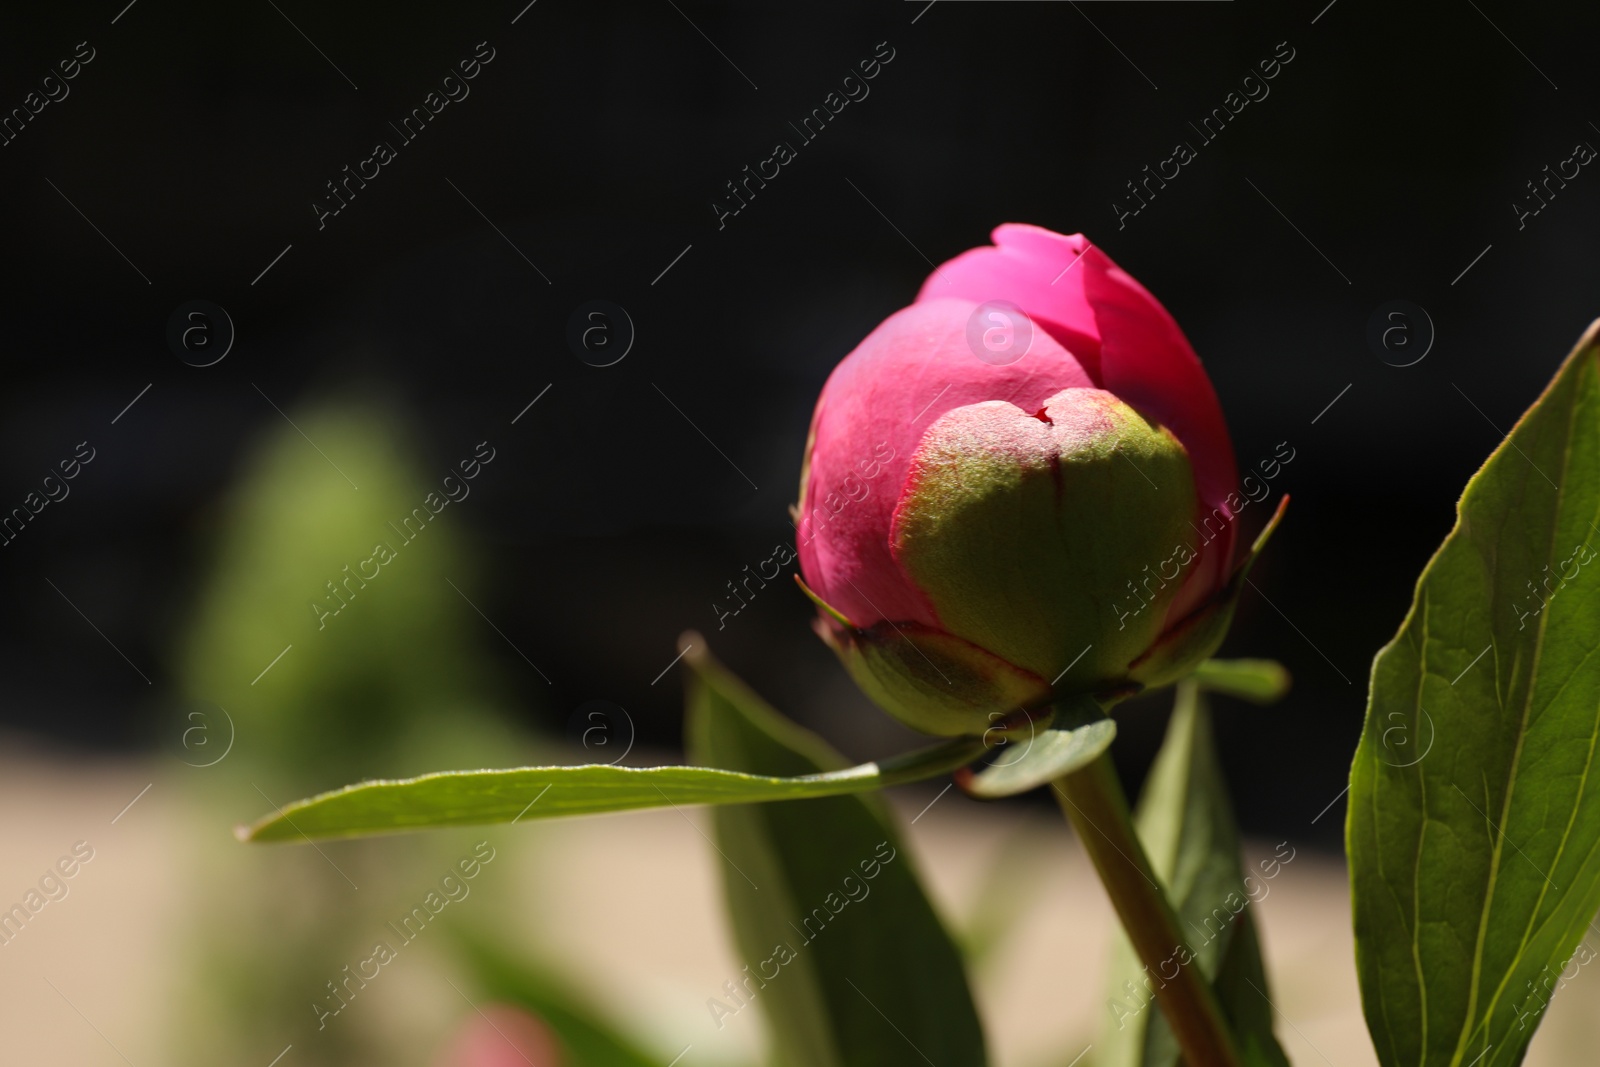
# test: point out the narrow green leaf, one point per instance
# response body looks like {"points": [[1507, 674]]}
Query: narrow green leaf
{"points": [[1261, 681], [587, 1039], [1188, 829], [465, 798], [1474, 822], [1242, 987], [844, 953], [1038, 757]]}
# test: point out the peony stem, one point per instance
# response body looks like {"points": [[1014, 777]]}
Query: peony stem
{"points": [[1094, 803]]}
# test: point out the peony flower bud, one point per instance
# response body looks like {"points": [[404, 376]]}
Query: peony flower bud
{"points": [[1017, 488]]}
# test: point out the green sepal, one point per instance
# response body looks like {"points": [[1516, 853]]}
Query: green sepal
{"points": [[1026, 529], [1075, 737], [1191, 640], [934, 682]]}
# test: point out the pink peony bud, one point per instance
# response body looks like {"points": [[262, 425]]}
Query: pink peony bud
{"points": [[501, 1036], [1025, 471]]}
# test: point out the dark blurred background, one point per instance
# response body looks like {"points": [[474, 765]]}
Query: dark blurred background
{"points": [[585, 161]]}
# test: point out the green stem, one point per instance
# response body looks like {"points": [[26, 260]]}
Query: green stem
{"points": [[1093, 802]]}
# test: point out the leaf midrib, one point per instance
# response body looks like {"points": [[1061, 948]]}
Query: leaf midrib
{"points": [[1534, 925], [1422, 837], [1467, 1026]]}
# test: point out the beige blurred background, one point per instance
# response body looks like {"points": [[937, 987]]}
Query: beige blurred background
{"points": [[629, 906]]}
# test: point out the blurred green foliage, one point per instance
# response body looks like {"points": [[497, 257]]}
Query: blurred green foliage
{"points": [[393, 684]]}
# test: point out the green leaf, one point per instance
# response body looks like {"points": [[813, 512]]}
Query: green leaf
{"points": [[587, 1039], [1260, 681], [1037, 758], [1187, 827], [1474, 823], [844, 953], [465, 798], [1242, 987]]}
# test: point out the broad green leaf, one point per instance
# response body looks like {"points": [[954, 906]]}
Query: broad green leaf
{"points": [[1075, 738], [1187, 827], [1474, 821], [465, 798], [844, 953], [587, 1039]]}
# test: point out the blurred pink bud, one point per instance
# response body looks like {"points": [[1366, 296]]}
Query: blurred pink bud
{"points": [[501, 1036]]}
